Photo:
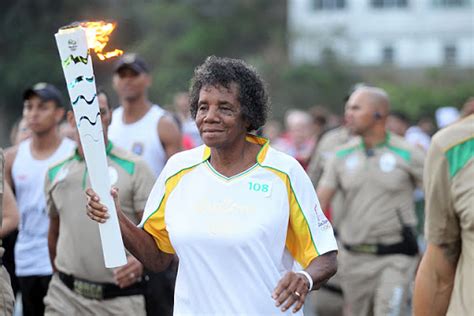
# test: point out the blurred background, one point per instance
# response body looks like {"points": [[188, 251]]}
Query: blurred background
{"points": [[310, 52]]}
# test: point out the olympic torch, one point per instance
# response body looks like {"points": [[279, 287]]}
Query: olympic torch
{"points": [[74, 43]]}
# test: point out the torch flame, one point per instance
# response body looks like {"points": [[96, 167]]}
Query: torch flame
{"points": [[97, 37]]}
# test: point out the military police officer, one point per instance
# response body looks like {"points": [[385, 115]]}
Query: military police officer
{"points": [[376, 174], [81, 285]]}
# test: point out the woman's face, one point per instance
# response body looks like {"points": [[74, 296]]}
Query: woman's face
{"points": [[219, 118]]}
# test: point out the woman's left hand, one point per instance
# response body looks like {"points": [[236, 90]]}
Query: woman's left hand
{"points": [[291, 289]]}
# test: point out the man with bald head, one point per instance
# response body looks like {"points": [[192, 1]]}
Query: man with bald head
{"points": [[377, 174]]}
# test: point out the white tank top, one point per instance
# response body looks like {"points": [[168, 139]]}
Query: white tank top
{"points": [[140, 137], [31, 248]]}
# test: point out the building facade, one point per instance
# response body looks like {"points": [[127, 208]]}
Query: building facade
{"points": [[404, 33]]}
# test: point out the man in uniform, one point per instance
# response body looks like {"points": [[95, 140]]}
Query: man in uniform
{"points": [[81, 285], [8, 222], [376, 174], [444, 283]]}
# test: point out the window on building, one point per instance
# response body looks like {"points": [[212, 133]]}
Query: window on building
{"points": [[329, 4], [388, 55], [450, 54], [452, 3], [380, 4]]}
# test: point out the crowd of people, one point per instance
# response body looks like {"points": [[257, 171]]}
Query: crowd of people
{"points": [[225, 213]]}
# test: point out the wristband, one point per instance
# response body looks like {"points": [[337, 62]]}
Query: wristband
{"points": [[310, 279]]}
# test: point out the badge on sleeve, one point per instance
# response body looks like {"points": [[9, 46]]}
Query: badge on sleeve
{"points": [[387, 162], [323, 222]]}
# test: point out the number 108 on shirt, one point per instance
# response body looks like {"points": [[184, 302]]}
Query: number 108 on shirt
{"points": [[263, 187]]}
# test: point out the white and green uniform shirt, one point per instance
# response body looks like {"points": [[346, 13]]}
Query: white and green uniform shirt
{"points": [[235, 237]]}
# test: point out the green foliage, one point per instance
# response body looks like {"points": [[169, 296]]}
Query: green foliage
{"points": [[176, 36], [305, 86], [185, 33], [416, 100], [29, 52]]}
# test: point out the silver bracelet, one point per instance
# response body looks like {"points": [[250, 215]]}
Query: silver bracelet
{"points": [[310, 279]]}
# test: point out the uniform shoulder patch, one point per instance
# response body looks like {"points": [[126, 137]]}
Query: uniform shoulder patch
{"points": [[126, 164], [53, 170], [405, 154], [346, 151], [459, 154]]}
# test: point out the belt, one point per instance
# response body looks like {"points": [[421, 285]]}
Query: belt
{"points": [[408, 246], [362, 248], [401, 248], [96, 290]]}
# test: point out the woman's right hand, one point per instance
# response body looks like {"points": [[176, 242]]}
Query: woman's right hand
{"points": [[96, 210]]}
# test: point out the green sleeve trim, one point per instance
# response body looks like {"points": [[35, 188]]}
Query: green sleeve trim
{"points": [[159, 205], [459, 155], [405, 154], [344, 152], [229, 178], [127, 165], [53, 171]]}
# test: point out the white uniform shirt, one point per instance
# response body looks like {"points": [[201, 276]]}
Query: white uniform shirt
{"points": [[31, 248], [235, 237], [140, 137]]}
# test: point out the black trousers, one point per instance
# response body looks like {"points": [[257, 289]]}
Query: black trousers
{"points": [[33, 289], [159, 291]]}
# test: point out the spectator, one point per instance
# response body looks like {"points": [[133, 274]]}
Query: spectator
{"points": [[25, 169]]}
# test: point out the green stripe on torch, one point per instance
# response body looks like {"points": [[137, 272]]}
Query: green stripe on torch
{"points": [[76, 59]]}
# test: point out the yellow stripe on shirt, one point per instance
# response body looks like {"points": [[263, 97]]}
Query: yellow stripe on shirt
{"points": [[155, 224], [299, 240]]}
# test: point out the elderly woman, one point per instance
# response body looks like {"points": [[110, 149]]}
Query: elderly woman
{"points": [[236, 212]]}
